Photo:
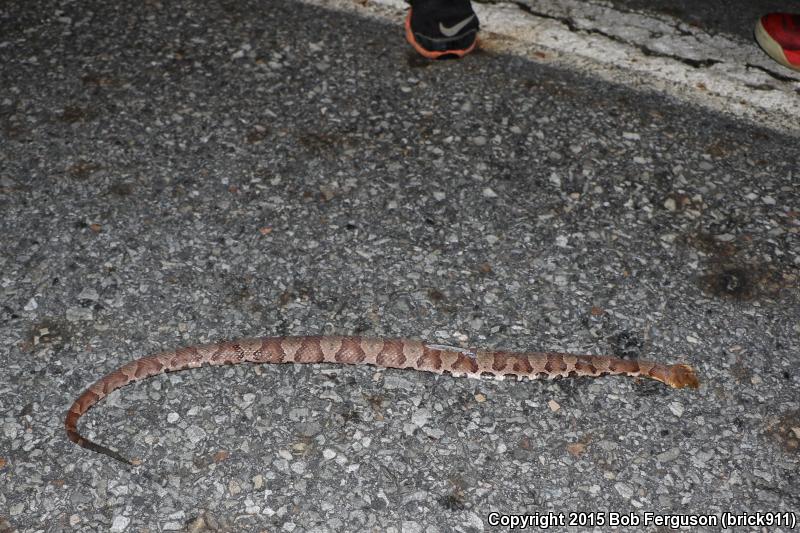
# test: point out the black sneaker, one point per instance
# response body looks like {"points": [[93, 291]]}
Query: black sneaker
{"points": [[437, 28]]}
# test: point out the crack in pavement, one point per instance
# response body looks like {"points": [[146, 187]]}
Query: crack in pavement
{"points": [[573, 27], [777, 75], [694, 63]]}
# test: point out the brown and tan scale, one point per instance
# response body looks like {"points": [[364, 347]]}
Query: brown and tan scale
{"points": [[388, 353]]}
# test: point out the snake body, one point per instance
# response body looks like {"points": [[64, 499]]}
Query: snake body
{"points": [[388, 353]]}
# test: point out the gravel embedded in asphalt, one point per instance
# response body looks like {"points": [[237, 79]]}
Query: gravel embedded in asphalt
{"points": [[188, 172]]}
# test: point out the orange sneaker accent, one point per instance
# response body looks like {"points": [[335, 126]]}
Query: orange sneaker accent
{"points": [[428, 53]]}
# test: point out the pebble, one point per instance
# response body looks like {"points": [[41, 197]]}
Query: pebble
{"points": [[410, 526], [120, 523], [420, 417], [669, 455], [89, 294], [195, 434], [79, 314], [395, 380], [328, 454], [624, 490]]}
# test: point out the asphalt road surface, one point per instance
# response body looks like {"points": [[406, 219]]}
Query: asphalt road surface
{"points": [[183, 172]]}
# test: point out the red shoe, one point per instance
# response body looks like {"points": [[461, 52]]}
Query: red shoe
{"points": [[779, 36]]}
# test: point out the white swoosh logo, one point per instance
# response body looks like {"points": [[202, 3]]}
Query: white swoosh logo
{"points": [[452, 30]]}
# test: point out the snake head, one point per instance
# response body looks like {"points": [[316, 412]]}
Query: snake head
{"points": [[681, 376]]}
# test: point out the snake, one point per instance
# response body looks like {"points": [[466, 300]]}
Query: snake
{"points": [[381, 352]]}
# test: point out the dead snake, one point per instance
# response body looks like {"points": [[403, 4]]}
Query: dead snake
{"points": [[388, 353]]}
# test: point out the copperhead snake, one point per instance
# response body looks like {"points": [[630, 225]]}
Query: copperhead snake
{"points": [[388, 353]]}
